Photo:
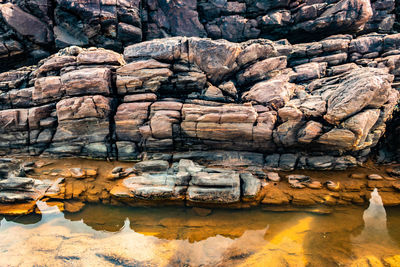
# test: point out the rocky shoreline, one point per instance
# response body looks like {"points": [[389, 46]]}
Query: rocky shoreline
{"points": [[321, 105], [70, 183], [192, 86]]}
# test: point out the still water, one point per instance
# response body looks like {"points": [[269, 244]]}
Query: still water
{"points": [[102, 235]]}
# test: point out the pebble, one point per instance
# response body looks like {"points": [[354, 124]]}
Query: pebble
{"points": [[332, 186], [315, 185], [117, 169], [375, 177], [273, 176], [91, 172], [358, 176], [77, 173]]}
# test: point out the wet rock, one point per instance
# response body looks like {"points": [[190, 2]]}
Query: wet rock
{"points": [[275, 196]]}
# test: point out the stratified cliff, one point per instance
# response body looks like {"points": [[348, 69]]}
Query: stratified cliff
{"points": [[313, 105], [31, 29], [320, 98]]}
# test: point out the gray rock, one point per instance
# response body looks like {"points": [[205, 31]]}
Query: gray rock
{"points": [[152, 166], [288, 162], [16, 196], [250, 185], [230, 179], [221, 195], [19, 183], [273, 176], [272, 161]]}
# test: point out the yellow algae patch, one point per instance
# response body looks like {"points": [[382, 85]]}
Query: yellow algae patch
{"points": [[284, 249]]}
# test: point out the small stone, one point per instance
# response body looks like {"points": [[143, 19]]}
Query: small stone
{"points": [[375, 177], [201, 211], [117, 169], [332, 186], [77, 173], [273, 176], [298, 178], [396, 185], [358, 176], [315, 185]]}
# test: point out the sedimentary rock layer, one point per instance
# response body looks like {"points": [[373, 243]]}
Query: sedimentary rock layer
{"points": [[37, 27], [313, 105]]}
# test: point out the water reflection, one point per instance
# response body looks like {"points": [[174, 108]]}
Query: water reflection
{"points": [[374, 242], [111, 236]]}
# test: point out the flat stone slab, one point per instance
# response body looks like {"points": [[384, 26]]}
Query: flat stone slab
{"points": [[152, 166], [17, 196], [20, 183], [222, 195], [230, 179]]}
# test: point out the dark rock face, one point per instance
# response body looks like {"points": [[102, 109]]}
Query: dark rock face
{"points": [[315, 105], [35, 28]]}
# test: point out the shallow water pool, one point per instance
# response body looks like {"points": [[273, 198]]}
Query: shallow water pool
{"points": [[124, 236]]}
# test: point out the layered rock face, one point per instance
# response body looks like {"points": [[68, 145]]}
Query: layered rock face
{"points": [[320, 105], [37, 27]]}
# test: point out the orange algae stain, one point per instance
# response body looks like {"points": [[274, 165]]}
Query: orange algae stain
{"points": [[18, 208]]}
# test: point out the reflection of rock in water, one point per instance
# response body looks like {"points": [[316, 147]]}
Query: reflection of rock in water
{"points": [[375, 216], [374, 243]]}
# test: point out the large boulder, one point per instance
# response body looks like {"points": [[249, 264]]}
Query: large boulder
{"points": [[354, 91]]}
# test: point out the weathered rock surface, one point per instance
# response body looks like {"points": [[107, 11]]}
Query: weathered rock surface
{"points": [[192, 94], [31, 29]]}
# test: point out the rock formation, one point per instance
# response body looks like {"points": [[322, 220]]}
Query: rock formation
{"points": [[320, 105], [35, 28], [212, 88]]}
